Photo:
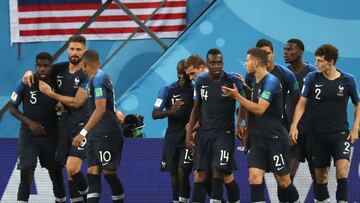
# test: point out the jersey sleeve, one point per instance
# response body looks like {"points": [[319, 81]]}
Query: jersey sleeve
{"points": [[306, 89], [353, 92], [17, 94], [197, 95], [84, 82], [291, 81], [271, 87], [99, 87], [160, 102]]}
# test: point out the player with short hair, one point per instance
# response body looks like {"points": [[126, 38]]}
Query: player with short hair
{"points": [[216, 135], [106, 138], [293, 51], [269, 140], [71, 92], [38, 131], [175, 101], [329, 90]]}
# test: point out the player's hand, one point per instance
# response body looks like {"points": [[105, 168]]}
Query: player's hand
{"points": [[190, 140], [232, 92], [240, 77], [28, 78], [45, 88], [78, 140], [293, 135], [59, 107], [240, 132], [176, 107], [353, 135], [36, 128]]}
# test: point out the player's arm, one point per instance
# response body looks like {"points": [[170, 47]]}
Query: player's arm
{"points": [[13, 105], [354, 95], [75, 102], [194, 117], [299, 111]]}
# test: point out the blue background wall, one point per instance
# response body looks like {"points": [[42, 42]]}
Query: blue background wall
{"points": [[234, 26]]}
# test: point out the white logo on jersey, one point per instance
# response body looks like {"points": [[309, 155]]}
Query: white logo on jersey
{"points": [[14, 96], [317, 85], [176, 95], [204, 86], [158, 102], [59, 76], [341, 91]]}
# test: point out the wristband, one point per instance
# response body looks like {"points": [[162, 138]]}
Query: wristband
{"points": [[83, 132]]}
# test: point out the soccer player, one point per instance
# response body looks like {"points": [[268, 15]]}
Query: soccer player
{"points": [[269, 140], [175, 101], [195, 65], [329, 90], [293, 51], [216, 136], [105, 133], [71, 84], [38, 132]]}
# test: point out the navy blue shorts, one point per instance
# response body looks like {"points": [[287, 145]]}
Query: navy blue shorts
{"points": [[30, 148], [105, 151], [174, 158], [216, 152], [269, 154]]}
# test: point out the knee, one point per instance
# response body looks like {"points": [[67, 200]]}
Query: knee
{"points": [[95, 170], [197, 178], [255, 178], [72, 169], [341, 173], [322, 177], [26, 176], [228, 178]]}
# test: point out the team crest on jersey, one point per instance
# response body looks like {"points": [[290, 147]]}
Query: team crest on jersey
{"points": [[341, 91], [76, 82]]}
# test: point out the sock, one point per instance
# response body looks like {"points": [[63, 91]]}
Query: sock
{"points": [[75, 196], [233, 193], [81, 183], [199, 194], [175, 188], [93, 195], [184, 184], [342, 189], [217, 189], [257, 193], [207, 186], [57, 180], [321, 192], [289, 194], [117, 190]]}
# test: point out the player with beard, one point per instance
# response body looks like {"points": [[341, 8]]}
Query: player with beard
{"points": [[71, 83]]}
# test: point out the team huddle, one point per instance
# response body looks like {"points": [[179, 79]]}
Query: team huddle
{"points": [[279, 125], [68, 115]]}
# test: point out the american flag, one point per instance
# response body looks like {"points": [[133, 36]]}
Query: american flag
{"points": [[57, 20]]}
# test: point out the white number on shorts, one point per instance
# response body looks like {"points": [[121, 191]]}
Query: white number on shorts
{"points": [[105, 156], [279, 160], [347, 148], [188, 155], [224, 156], [317, 91]]}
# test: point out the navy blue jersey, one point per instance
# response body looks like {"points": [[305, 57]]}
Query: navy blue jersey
{"points": [[305, 122], [36, 105], [287, 81], [270, 123], [68, 84], [167, 96], [100, 87], [329, 100], [217, 109]]}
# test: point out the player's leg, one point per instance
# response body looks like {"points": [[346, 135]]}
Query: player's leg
{"points": [[256, 187], [93, 173], [27, 160], [46, 157], [279, 165], [341, 156], [232, 188], [184, 170], [199, 192], [77, 183], [109, 151], [322, 160]]}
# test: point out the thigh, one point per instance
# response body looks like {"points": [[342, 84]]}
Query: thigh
{"points": [[186, 158], [223, 152], [109, 151], [203, 153], [321, 152], [28, 152], [257, 154], [278, 156]]}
